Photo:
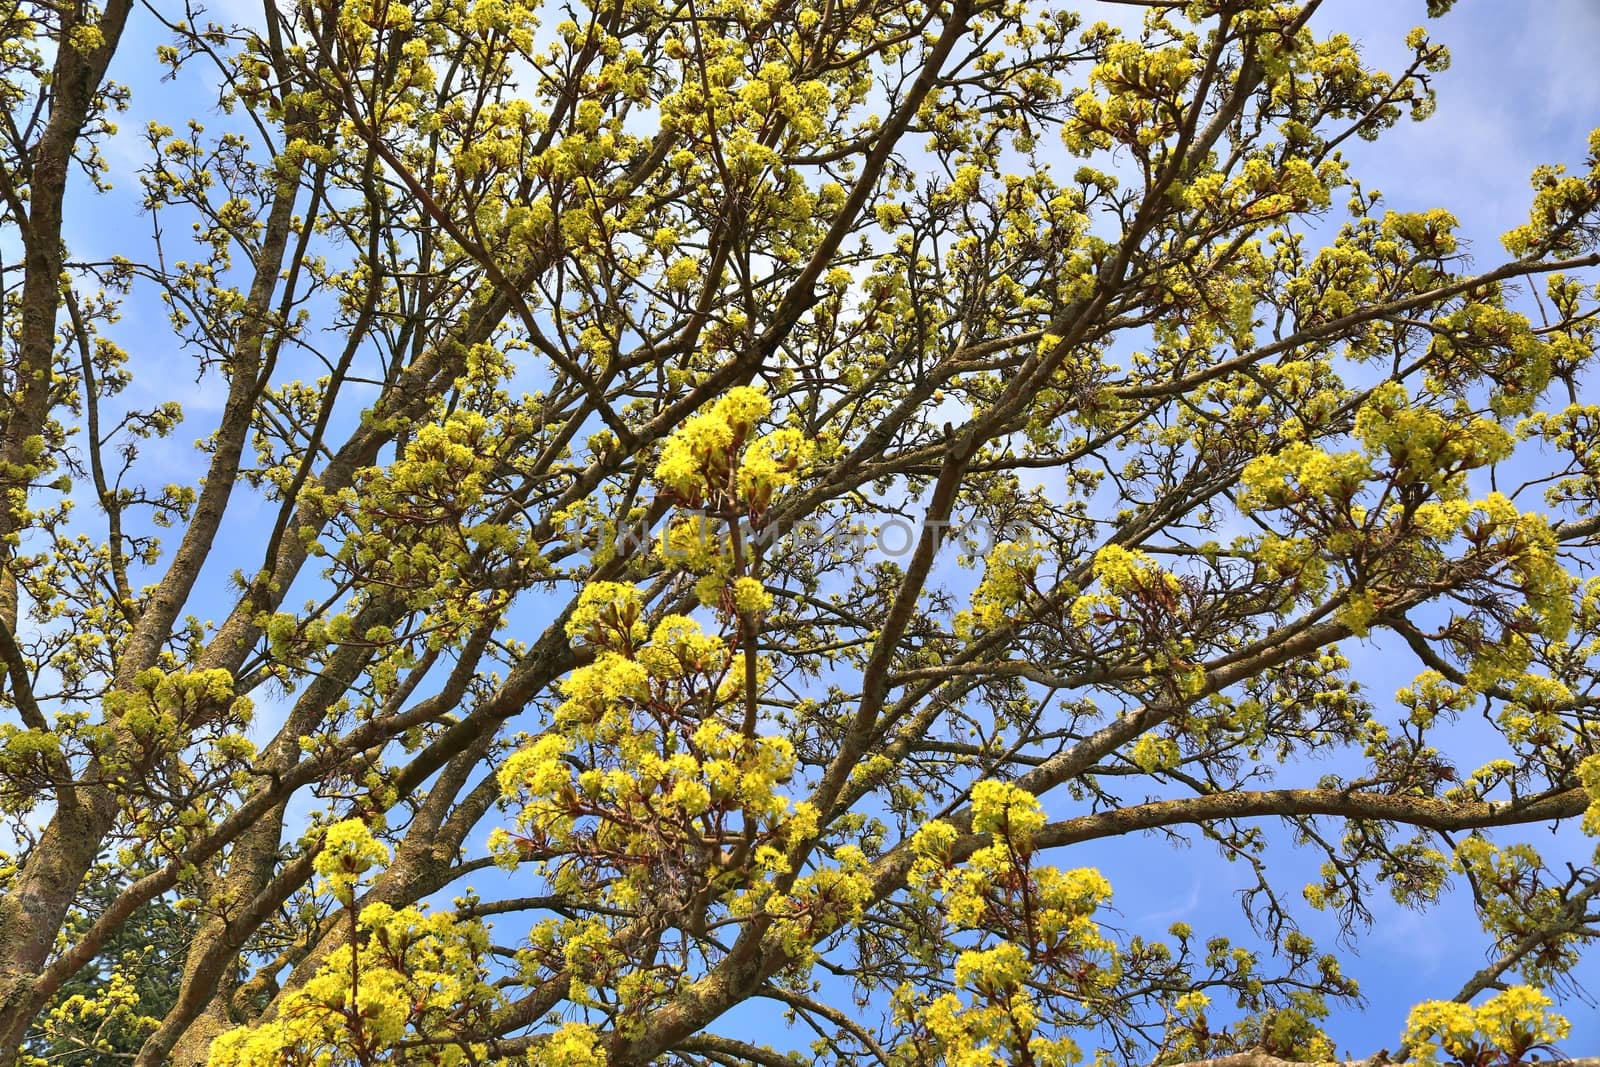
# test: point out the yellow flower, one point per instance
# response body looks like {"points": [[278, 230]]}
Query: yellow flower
{"points": [[1004, 808], [750, 597], [348, 851]]}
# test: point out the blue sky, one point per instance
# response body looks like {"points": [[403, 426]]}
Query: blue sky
{"points": [[1522, 91]]}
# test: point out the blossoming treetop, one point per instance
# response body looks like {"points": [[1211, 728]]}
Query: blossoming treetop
{"points": [[372, 733]]}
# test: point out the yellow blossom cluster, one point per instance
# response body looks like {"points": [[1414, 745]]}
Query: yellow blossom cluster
{"points": [[991, 1015], [714, 467], [640, 766], [1008, 569], [1498, 1031], [697, 460], [348, 851], [413, 977]]}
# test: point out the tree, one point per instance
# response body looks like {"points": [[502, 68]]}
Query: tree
{"points": [[114, 1002], [516, 683]]}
